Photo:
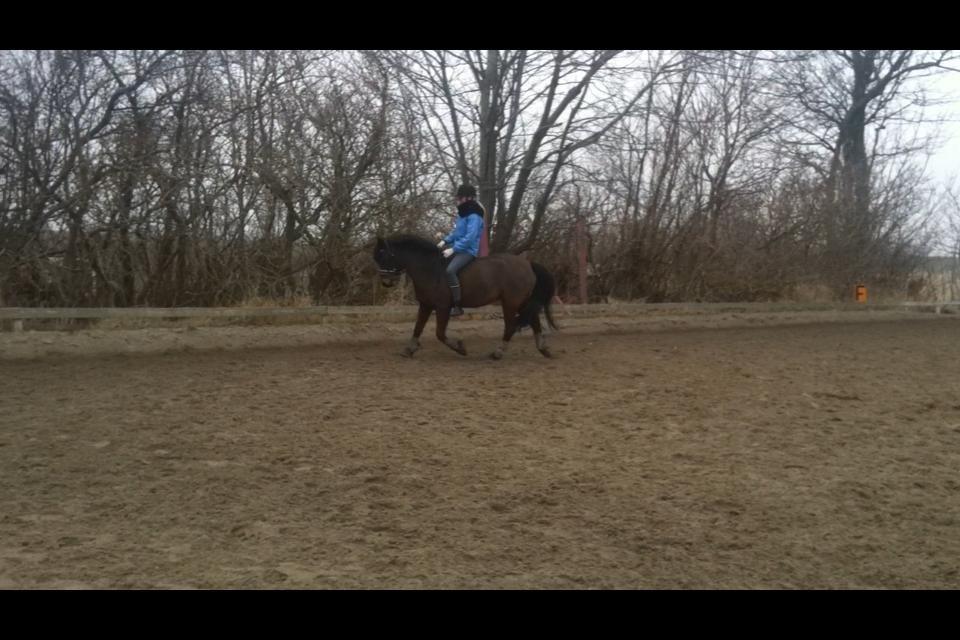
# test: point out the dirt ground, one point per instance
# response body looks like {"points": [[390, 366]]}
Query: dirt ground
{"points": [[809, 451]]}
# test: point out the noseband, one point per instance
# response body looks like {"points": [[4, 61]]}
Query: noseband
{"points": [[389, 272]]}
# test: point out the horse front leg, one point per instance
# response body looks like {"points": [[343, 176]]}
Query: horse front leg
{"points": [[443, 317], [423, 314]]}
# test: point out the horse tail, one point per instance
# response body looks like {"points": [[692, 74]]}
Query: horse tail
{"points": [[543, 291]]}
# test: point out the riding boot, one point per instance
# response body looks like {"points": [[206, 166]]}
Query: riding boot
{"points": [[456, 309]]}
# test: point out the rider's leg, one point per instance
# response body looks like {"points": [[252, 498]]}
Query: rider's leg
{"points": [[459, 261]]}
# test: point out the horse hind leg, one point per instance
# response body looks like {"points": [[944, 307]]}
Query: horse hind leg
{"points": [[509, 328], [539, 337]]}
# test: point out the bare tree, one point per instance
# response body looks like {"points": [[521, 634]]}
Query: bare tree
{"points": [[534, 110], [213, 177], [841, 97]]}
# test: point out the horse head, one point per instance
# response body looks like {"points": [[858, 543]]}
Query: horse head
{"points": [[387, 264]]}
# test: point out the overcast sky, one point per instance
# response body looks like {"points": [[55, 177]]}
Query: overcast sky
{"points": [[946, 162]]}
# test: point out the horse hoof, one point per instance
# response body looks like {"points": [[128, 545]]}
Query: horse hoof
{"points": [[407, 353], [496, 355], [546, 353], [461, 349]]}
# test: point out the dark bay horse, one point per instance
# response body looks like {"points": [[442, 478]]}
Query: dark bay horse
{"points": [[523, 289]]}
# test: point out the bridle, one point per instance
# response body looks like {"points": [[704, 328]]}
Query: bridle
{"points": [[389, 272]]}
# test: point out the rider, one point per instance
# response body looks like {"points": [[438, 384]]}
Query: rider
{"points": [[464, 240]]}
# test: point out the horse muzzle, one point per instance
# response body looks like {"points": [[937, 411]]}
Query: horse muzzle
{"points": [[389, 279]]}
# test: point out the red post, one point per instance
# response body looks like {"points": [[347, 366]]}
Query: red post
{"points": [[484, 244], [582, 259]]}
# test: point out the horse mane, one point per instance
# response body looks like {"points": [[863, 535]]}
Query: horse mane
{"points": [[413, 244]]}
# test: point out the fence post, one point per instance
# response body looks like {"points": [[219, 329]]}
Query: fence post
{"points": [[582, 259]]}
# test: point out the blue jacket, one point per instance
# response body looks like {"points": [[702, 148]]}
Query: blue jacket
{"points": [[465, 237]]}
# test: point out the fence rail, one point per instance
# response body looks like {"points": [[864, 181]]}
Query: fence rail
{"points": [[18, 314]]}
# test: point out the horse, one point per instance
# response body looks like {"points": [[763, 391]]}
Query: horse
{"points": [[523, 289]]}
